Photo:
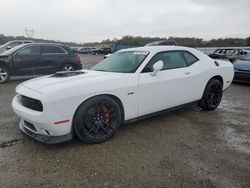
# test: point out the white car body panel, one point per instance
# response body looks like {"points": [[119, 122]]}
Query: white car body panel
{"points": [[139, 93]]}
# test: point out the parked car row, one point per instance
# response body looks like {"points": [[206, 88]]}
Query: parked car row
{"points": [[27, 58], [92, 50], [37, 59]]}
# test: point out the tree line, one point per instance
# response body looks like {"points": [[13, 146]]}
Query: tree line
{"points": [[141, 41], [181, 41]]}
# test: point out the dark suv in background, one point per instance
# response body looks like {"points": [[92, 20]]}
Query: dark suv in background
{"points": [[37, 59], [103, 51]]}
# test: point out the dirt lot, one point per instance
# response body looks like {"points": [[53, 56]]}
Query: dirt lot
{"points": [[184, 148]]}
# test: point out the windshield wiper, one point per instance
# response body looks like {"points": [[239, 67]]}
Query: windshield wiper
{"points": [[100, 70]]}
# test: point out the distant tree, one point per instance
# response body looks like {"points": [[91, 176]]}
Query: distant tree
{"points": [[248, 41]]}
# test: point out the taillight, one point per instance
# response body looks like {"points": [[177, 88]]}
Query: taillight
{"points": [[77, 57]]}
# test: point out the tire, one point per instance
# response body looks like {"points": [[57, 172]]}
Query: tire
{"points": [[97, 119], [4, 74], [68, 67], [212, 95]]}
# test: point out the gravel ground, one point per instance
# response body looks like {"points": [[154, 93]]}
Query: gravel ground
{"points": [[184, 148]]}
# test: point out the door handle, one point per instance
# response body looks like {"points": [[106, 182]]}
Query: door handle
{"points": [[187, 73]]}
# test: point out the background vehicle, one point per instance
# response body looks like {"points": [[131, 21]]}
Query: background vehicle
{"points": [[37, 59], [75, 49], [12, 44], [103, 51], [242, 69], [247, 49], [129, 85], [85, 50], [163, 43], [228, 53]]}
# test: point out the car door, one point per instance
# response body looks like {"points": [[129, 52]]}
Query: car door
{"points": [[172, 86], [52, 58], [26, 60]]}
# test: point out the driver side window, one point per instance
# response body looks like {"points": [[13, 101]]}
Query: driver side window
{"points": [[30, 50], [170, 59]]}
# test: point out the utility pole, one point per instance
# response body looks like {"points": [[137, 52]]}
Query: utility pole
{"points": [[29, 32]]}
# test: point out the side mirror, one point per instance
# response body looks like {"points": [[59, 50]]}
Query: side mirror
{"points": [[8, 47], [157, 67]]}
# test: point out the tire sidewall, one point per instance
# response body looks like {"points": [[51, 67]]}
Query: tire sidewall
{"points": [[78, 120], [67, 64], [8, 74], [207, 92]]}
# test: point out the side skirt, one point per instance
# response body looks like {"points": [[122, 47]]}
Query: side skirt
{"points": [[160, 112]]}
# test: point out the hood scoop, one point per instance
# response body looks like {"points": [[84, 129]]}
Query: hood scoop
{"points": [[67, 73]]}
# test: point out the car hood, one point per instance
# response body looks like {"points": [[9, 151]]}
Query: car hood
{"points": [[49, 83], [242, 65]]}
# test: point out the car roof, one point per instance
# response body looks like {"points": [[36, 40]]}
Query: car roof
{"points": [[43, 43], [155, 49]]}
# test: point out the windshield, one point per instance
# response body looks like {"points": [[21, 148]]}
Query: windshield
{"points": [[245, 57], [12, 50], [122, 62]]}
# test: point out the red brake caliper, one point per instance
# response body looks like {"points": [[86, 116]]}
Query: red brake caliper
{"points": [[106, 114]]}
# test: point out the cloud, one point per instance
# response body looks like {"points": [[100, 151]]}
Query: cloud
{"points": [[94, 20]]}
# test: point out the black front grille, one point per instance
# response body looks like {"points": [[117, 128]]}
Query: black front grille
{"points": [[29, 125], [31, 103]]}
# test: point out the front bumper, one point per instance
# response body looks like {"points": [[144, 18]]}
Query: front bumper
{"points": [[44, 138], [43, 123]]}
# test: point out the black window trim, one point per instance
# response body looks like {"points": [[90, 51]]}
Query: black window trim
{"points": [[174, 51]]}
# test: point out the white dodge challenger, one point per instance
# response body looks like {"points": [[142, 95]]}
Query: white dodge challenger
{"points": [[129, 85]]}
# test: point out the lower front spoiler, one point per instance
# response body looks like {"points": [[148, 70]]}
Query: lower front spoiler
{"points": [[43, 138]]}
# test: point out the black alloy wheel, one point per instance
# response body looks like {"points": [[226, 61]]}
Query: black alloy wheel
{"points": [[212, 95], [4, 75], [68, 67], [97, 119]]}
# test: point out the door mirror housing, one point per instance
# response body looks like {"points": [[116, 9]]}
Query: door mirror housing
{"points": [[157, 67], [8, 47]]}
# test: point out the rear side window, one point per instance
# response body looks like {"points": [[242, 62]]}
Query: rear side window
{"points": [[52, 50], [171, 60], [190, 58]]}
